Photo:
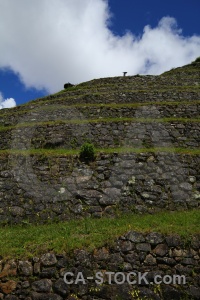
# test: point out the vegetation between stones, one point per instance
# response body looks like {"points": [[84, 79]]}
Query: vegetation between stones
{"points": [[87, 152]]}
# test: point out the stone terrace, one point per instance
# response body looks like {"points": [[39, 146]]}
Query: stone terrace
{"points": [[145, 129]]}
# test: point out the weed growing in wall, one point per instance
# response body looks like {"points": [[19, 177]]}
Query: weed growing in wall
{"points": [[198, 59], [87, 152]]}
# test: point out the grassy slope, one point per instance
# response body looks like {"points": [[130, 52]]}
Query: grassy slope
{"points": [[122, 150], [30, 240], [26, 240]]}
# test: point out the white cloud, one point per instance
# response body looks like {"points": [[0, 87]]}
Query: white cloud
{"points": [[6, 103], [50, 42]]}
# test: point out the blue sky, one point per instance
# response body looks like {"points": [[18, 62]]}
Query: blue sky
{"points": [[134, 15], [78, 40]]}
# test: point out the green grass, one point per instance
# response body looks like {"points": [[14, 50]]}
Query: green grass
{"points": [[177, 150], [128, 88], [114, 89], [185, 70], [119, 150], [97, 105], [89, 91], [101, 120], [30, 240]]}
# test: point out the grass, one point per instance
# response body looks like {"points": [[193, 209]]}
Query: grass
{"points": [[177, 150], [115, 89], [26, 241], [96, 90], [100, 105], [119, 150], [101, 120], [185, 70], [91, 91]]}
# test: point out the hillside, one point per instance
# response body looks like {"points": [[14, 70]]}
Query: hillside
{"points": [[145, 130], [134, 207]]}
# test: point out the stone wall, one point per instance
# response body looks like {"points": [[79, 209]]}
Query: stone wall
{"points": [[143, 113], [38, 188], [42, 278], [104, 134]]}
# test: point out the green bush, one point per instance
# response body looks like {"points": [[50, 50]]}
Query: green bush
{"points": [[198, 59], [87, 152]]}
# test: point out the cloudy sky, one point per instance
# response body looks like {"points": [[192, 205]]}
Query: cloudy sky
{"points": [[46, 43]]}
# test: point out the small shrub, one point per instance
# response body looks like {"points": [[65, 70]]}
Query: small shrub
{"points": [[87, 152], [68, 85], [196, 61]]}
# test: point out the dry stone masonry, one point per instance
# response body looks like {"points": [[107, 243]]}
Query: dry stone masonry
{"points": [[41, 188], [43, 278], [146, 131], [155, 117]]}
